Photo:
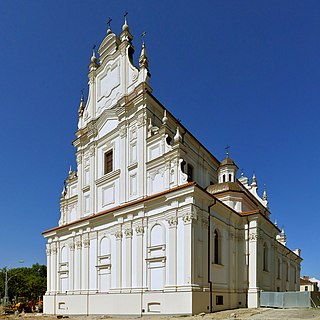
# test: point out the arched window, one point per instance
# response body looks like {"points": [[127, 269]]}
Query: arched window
{"points": [[216, 248], [265, 257], [157, 236], [224, 178], [230, 177]]}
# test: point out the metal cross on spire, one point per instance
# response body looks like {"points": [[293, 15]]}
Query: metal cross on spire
{"points": [[227, 150], [93, 47], [109, 22], [143, 34], [125, 14]]}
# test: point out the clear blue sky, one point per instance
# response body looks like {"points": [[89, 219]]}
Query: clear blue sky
{"points": [[243, 73]]}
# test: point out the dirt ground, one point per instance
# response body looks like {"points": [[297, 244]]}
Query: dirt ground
{"points": [[262, 313]]}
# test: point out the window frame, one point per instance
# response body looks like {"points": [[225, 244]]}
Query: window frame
{"points": [[108, 161]]}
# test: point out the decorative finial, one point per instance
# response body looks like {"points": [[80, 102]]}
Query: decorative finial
{"points": [[227, 151], [264, 196], [254, 177], [70, 170], [93, 57], [242, 173], [143, 35], [64, 190], [150, 124], [276, 223], [108, 23], [177, 136], [81, 106], [125, 25], [164, 119], [143, 60]]}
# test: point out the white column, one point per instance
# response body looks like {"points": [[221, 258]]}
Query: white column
{"points": [[48, 252], [140, 260], [172, 253], [253, 290], [77, 266], [118, 266], [85, 263], [54, 273], [80, 186], [128, 268], [141, 155], [123, 164], [188, 247], [92, 153], [71, 266]]}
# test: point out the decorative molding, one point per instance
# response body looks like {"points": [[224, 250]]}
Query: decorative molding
{"points": [[86, 243], [92, 151], [79, 244], [79, 158], [123, 131], [188, 217], [72, 246], [172, 221], [141, 120], [118, 235], [128, 233], [253, 236], [48, 252], [140, 230]]}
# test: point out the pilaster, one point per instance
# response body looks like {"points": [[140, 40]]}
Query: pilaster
{"points": [[140, 248], [188, 219], [253, 289], [80, 185], [92, 153], [49, 275], [172, 254], [128, 268], [123, 163], [85, 262], [118, 269], [71, 266]]}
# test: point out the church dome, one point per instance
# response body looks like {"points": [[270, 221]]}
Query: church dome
{"points": [[222, 187]]}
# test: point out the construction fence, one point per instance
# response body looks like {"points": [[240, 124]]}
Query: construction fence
{"points": [[285, 300]]}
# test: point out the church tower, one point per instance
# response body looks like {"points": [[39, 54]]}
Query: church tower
{"points": [[227, 170]]}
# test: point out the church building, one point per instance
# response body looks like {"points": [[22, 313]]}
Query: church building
{"points": [[151, 222]]}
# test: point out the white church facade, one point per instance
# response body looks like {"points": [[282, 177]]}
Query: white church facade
{"points": [[151, 222]]}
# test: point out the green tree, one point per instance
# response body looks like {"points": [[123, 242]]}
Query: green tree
{"points": [[25, 282]]}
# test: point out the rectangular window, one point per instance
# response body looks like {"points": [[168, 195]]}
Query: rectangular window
{"points": [[306, 288], [108, 162], [219, 300]]}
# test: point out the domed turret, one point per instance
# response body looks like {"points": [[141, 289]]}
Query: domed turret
{"points": [[227, 170]]}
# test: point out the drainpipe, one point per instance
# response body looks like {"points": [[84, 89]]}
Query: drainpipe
{"points": [[209, 254]]}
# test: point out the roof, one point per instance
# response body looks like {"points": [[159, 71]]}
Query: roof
{"points": [[224, 186], [227, 161]]}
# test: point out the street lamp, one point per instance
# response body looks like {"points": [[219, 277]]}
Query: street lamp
{"points": [[6, 280]]}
